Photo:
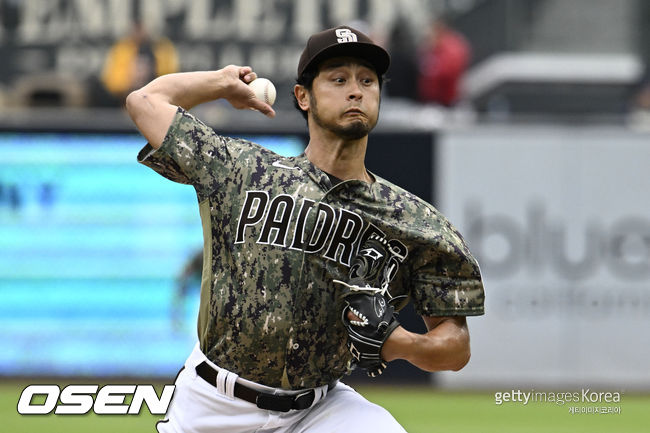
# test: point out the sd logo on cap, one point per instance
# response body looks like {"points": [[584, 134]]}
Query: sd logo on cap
{"points": [[342, 41]]}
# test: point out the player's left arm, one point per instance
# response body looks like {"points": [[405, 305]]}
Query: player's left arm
{"points": [[445, 346]]}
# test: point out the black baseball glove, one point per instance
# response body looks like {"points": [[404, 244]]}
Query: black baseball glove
{"points": [[366, 296]]}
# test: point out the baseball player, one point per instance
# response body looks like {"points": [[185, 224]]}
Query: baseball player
{"points": [[306, 259]]}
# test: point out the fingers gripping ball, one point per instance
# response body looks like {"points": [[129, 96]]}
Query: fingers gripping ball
{"points": [[263, 89]]}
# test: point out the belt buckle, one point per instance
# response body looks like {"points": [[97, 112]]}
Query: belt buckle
{"points": [[277, 403], [304, 400]]}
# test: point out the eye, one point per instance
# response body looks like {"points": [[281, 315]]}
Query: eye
{"points": [[367, 81], [339, 80]]}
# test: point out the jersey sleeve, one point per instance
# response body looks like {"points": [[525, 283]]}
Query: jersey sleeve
{"points": [[191, 153], [447, 278]]}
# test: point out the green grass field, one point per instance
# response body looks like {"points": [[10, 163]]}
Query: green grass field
{"points": [[419, 410]]}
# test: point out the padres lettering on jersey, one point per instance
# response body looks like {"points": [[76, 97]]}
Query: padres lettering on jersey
{"points": [[277, 233], [336, 235]]}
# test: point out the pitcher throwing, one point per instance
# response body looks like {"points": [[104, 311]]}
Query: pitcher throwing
{"points": [[306, 259]]}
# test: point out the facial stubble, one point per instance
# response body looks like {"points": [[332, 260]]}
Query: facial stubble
{"points": [[352, 131]]}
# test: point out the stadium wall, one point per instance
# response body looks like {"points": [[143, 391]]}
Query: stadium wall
{"points": [[556, 215]]}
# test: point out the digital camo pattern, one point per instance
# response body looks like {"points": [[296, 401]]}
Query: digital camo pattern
{"points": [[277, 233]]}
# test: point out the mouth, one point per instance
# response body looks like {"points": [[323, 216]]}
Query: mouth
{"points": [[354, 111]]}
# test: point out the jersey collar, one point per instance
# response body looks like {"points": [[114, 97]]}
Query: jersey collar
{"points": [[323, 180]]}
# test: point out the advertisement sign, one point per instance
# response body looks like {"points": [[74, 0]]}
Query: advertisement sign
{"points": [[98, 257], [559, 219]]}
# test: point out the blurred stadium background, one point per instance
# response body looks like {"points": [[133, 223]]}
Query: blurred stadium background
{"points": [[541, 163]]}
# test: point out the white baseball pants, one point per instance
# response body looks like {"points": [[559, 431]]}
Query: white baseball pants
{"points": [[199, 407]]}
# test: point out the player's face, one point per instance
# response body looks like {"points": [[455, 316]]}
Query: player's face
{"points": [[345, 98]]}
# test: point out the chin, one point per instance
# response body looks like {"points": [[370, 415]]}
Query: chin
{"points": [[355, 131]]}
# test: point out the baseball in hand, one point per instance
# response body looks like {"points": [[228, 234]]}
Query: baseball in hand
{"points": [[263, 89]]}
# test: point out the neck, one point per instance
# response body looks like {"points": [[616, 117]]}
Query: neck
{"points": [[338, 157]]}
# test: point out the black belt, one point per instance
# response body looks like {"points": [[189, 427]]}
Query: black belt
{"points": [[263, 400]]}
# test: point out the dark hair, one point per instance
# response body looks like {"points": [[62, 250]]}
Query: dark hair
{"points": [[307, 80]]}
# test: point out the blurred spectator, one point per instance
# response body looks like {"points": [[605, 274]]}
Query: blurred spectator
{"points": [[639, 115], [641, 92], [135, 60], [403, 72], [445, 56]]}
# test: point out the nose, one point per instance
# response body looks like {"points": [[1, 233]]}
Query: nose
{"points": [[355, 92]]}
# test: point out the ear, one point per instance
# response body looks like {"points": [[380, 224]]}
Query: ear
{"points": [[302, 96]]}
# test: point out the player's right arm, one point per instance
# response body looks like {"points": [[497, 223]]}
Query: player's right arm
{"points": [[152, 108]]}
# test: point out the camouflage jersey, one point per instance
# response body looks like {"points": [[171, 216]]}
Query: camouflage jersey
{"points": [[277, 232]]}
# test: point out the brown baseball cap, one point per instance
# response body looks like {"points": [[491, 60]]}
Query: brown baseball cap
{"points": [[343, 41]]}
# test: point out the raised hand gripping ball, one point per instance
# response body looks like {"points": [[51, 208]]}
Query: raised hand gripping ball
{"points": [[263, 89]]}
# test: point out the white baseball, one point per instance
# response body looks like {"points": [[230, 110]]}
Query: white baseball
{"points": [[263, 89]]}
